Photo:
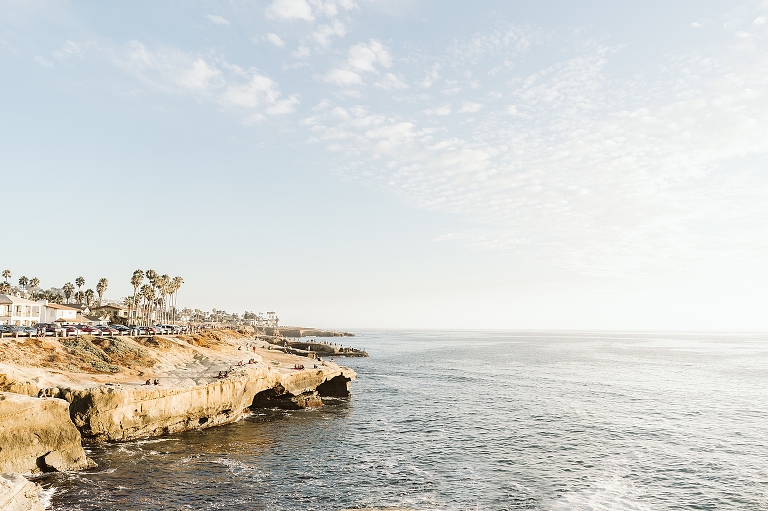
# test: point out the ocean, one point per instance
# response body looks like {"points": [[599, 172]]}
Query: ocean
{"points": [[479, 420]]}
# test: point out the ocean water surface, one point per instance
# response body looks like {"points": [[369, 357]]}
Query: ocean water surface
{"points": [[477, 420]]}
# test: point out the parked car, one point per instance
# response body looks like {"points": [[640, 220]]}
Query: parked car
{"points": [[138, 330], [87, 329], [19, 331], [108, 330], [49, 328], [121, 329], [70, 329], [27, 331]]}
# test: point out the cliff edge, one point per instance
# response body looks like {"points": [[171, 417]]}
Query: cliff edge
{"points": [[37, 435], [196, 381]]}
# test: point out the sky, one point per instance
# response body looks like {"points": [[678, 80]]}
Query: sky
{"points": [[398, 163]]}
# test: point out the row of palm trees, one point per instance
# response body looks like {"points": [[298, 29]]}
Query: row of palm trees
{"points": [[31, 287], [156, 299], [84, 297], [27, 284]]}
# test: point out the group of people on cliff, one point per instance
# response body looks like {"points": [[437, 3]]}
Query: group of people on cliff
{"points": [[45, 393]]}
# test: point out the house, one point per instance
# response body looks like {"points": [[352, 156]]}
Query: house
{"points": [[109, 310], [54, 312], [18, 311], [80, 307], [93, 320]]}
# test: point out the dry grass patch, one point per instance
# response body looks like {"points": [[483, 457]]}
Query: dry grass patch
{"points": [[207, 339], [125, 352]]}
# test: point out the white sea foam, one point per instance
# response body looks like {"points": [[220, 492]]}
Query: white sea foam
{"points": [[46, 494]]}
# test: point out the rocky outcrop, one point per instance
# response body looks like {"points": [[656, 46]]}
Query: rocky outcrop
{"points": [[297, 331], [327, 350], [37, 435], [118, 413], [18, 494], [205, 379], [338, 386], [278, 397]]}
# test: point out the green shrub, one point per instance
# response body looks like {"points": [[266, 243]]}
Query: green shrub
{"points": [[89, 353]]}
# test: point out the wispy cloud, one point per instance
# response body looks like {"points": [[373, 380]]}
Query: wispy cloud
{"points": [[290, 9], [439, 110], [362, 58], [218, 20], [324, 33], [589, 169], [207, 77], [390, 81], [470, 107], [275, 40], [343, 77], [598, 171]]}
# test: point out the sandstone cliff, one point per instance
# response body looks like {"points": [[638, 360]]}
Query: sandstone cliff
{"points": [[122, 412], [37, 435], [18, 494], [103, 381]]}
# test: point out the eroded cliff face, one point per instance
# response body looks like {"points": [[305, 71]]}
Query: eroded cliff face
{"points": [[121, 412], [37, 435], [103, 381]]}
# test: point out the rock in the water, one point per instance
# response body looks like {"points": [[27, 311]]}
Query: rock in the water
{"points": [[278, 397], [37, 435], [18, 494]]}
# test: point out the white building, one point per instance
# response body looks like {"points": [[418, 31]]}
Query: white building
{"points": [[53, 312], [18, 311]]}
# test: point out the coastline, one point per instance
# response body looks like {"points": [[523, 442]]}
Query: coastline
{"points": [[98, 388]]}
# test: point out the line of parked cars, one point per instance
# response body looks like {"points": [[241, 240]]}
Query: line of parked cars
{"points": [[56, 329], [21, 331]]}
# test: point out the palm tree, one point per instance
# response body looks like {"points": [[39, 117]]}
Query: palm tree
{"points": [[148, 294], [79, 282], [68, 290], [160, 284], [5, 288], [79, 297], [23, 282], [152, 278], [159, 306], [165, 291], [175, 285], [88, 295], [7, 275], [34, 282], [101, 287], [136, 280]]}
